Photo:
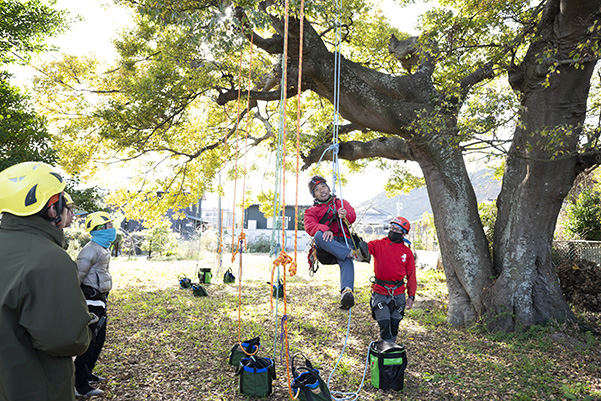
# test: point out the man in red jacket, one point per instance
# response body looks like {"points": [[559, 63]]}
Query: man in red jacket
{"points": [[323, 221], [394, 269]]}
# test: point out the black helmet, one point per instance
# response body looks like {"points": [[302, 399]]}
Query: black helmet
{"points": [[315, 181]]}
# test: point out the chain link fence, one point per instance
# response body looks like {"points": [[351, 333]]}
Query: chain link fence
{"points": [[563, 251]]}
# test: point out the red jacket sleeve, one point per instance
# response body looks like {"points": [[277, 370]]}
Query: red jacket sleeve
{"points": [[410, 276], [311, 221]]}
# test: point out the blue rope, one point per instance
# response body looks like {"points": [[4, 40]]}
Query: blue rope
{"points": [[351, 396]]}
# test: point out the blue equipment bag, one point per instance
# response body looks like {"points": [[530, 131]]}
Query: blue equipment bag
{"points": [[309, 383]]}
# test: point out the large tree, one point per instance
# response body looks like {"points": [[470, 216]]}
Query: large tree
{"points": [[478, 69]]}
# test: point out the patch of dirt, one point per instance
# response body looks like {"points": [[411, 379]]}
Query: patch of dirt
{"points": [[580, 282]]}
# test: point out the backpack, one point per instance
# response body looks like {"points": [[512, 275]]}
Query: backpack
{"points": [[251, 347], [229, 277], [308, 383], [387, 363], [256, 376]]}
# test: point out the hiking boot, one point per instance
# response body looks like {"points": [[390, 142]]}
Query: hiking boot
{"points": [[87, 391], [364, 252], [347, 300], [92, 378]]}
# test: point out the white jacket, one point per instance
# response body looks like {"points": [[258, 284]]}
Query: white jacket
{"points": [[93, 265]]}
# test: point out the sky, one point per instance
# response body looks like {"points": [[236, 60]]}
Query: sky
{"points": [[101, 23]]}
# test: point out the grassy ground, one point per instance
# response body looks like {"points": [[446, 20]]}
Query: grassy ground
{"points": [[165, 344]]}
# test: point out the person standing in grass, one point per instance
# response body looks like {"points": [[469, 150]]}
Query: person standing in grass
{"points": [[323, 222], [96, 283], [43, 314], [394, 270]]}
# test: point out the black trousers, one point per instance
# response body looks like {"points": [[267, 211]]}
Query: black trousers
{"points": [[85, 363]]}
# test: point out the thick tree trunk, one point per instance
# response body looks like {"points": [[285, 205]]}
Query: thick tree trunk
{"points": [[538, 176], [464, 248]]}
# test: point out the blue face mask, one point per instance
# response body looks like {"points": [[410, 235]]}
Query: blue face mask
{"points": [[104, 237]]}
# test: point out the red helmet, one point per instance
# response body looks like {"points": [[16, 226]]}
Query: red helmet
{"points": [[403, 222], [315, 181]]}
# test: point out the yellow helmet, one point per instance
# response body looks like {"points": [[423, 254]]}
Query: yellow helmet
{"points": [[26, 188], [68, 199], [96, 219]]}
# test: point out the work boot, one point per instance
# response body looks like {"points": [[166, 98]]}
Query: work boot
{"points": [[347, 300], [87, 391], [364, 251], [92, 378]]}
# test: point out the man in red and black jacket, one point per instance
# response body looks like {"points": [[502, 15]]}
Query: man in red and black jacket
{"points": [[323, 221], [394, 269]]}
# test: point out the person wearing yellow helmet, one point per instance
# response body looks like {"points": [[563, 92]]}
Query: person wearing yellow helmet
{"points": [[44, 319], [96, 283]]}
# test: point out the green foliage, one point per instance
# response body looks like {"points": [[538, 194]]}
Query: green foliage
{"points": [[402, 181], [24, 25], [584, 216], [159, 240], [87, 199], [23, 133], [488, 216]]}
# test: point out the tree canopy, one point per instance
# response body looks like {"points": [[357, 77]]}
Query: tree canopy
{"points": [[199, 84]]}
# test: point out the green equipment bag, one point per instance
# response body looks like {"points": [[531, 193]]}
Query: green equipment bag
{"points": [[198, 290], [251, 347], [278, 289], [205, 276], [256, 376], [184, 282], [387, 363], [229, 277], [308, 383]]}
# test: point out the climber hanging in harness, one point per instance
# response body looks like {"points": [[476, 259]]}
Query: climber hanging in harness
{"points": [[332, 239], [394, 269]]}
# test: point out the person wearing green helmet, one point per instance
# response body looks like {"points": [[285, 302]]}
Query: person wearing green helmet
{"points": [[96, 283], [43, 314]]}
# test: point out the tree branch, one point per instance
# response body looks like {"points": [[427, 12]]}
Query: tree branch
{"points": [[388, 147]]}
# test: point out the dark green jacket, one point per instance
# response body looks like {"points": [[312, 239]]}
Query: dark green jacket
{"points": [[43, 313]]}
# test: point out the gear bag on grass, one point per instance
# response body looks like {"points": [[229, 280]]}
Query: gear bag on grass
{"points": [[184, 282], [198, 290], [229, 277], [309, 383], [256, 376], [387, 363], [278, 289], [205, 276], [251, 347]]}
